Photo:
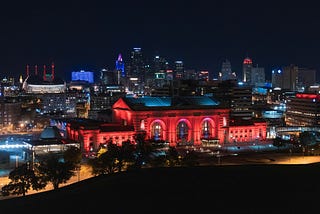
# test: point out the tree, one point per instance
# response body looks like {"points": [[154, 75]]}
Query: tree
{"points": [[112, 158], [143, 150], [50, 168], [190, 159], [73, 156], [307, 138], [106, 163], [173, 157], [23, 178], [56, 170], [125, 155], [278, 142]]}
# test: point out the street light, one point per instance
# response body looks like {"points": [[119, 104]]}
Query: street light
{"points": [[17, 161]]}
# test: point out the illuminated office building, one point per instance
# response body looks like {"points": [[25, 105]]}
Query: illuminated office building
{"points": [[178, 70], [276, 78], [136, 72], [82, 76], [290, 78], [247, 70], [226, 72], [306, 78], [108, 77], [303, 109], [136, 66], [258, 77]]}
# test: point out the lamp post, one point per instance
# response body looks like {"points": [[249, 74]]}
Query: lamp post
{"points": [[78, 169], [290, 150], [17, 161]]}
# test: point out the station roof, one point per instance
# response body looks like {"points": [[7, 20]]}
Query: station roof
{"points": [[179, 102]]}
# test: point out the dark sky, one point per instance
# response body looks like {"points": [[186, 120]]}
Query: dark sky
{"points": [[90, 34]]}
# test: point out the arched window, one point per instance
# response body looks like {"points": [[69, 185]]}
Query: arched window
{"points": [[156, 131], [142, 126], [206, 129], [182, 131]]}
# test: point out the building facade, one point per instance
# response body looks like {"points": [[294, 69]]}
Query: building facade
{"points": [[193, 120], [303, 109], [92, 134]]}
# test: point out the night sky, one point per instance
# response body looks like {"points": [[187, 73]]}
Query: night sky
{"points": [[89, 35]]}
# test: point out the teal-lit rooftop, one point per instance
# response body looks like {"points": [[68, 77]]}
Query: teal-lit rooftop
{"points": [[148, 101]]}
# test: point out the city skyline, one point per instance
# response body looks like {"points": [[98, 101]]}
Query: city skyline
{"points": [[79, 35]]}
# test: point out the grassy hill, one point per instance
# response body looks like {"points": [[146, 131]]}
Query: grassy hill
{"points": [[211, 189]]}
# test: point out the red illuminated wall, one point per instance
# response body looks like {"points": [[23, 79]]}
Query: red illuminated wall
{"points": [[90, 139], [241, 134], [194, 118], [308, 96], [217, 121]]}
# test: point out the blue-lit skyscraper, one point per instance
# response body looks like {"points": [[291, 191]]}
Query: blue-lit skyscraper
{"points": [[120, 65]]}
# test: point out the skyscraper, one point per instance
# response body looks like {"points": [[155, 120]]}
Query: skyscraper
{"points": [[226, 71], [158, 71], [120, 65], [258, 76], [136, 67], [247, 70], [108, 77], [306, 78], [290, 78], [276, 78], [136, 71], [178, 69]]}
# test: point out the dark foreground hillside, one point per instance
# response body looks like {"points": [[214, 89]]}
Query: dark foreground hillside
{"points": [[217, 189]]}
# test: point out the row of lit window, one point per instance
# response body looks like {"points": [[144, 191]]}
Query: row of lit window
{"points": [[241, 131], [303, 113]]}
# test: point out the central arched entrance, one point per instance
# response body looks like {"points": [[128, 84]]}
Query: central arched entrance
{"points": [[183, 132], [208, 137]]}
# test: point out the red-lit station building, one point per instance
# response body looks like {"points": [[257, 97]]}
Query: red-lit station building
{"points": [[192, 120], [91, 134]]}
